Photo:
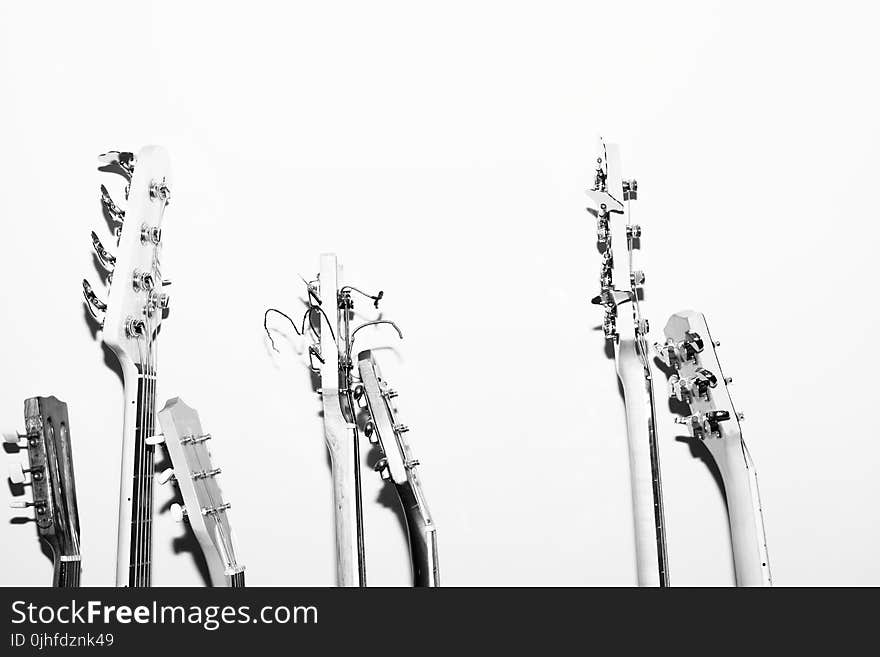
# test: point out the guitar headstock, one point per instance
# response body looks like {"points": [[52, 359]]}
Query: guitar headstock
{"points": [[617, 239], [49, 474], [697, 380], [196, 477], [136, 302], [383, 427]]}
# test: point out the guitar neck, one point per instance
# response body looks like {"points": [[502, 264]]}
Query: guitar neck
{"points": [[644, 461], [746, 517], [422, 533], [344, 458], [135, 539]]}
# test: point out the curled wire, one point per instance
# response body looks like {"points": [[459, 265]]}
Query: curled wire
{"points": [[266, 326], [376, 299], [372, 323]]}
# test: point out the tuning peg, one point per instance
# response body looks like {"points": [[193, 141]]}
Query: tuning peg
{"points": [[360, 396], [17, 473], [123, 159], [666, 352], [389, 393], [159, 191], [696, 386], [16, 504], [178, 513], [95, 306], [370, 432], [401, 428], [155, 440], [194, 440], [104, 256], [165, 476], [382, 468], [13, 437], [637, 277], [116, 213]]}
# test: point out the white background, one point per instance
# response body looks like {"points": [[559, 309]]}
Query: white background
{"points": [[442, 151]]}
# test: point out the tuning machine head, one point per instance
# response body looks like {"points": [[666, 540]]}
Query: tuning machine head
{"points": [[673, 352], [15, 438], [705, 425], [178, 513], [95, 306], [165, 476], [123, 159], [111, 209], [382, 468], [370, 432], [107, 260], [693, 387]]}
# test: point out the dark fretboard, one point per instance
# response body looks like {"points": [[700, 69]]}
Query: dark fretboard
{"points": [[141, 550], [67, 572]]}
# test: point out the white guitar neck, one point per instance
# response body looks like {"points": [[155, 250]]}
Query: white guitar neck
{"points": [[341, 438], [748, 539], [648, 521], [626, 329], [699, 383]]}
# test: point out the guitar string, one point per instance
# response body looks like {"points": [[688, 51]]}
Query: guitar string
{"points": [[149, 458], [145, 458], [137, 488], [152, 465]]}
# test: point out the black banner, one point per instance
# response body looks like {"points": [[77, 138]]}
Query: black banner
{"points": [[410, 620]]}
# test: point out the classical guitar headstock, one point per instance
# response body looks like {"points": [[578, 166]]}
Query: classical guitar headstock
{"points": [[196, 477], [136, 302], [697, 380], [617, 238], [383, 427], [49, 474]]}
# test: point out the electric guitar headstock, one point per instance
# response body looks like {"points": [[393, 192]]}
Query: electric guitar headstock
{"points": [[698, 382], [50, 476], [398, 465], [383, 428], [617, 239], [135, 305], [196, 477]]}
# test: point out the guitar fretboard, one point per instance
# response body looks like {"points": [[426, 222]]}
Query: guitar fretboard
{"points": [[141, 551], [67, 572]]}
